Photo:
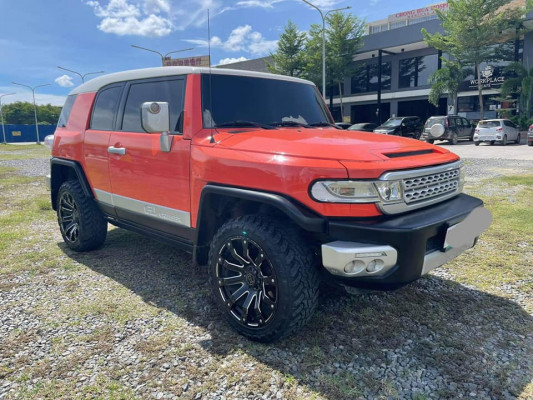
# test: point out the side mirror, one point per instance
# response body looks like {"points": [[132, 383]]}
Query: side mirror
{"points": [[155, 118]]}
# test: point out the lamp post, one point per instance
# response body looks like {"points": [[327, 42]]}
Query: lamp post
{"points": [[323, 16], [80, 75], [34, 106], [160, 54], [2, 115]]}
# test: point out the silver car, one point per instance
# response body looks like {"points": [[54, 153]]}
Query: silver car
{"points": [[496, 130]]}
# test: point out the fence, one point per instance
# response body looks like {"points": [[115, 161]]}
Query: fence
{"points": [[26, 133]]}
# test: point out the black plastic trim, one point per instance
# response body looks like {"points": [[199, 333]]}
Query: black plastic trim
{"points": [[407, 233], [55, 184]]}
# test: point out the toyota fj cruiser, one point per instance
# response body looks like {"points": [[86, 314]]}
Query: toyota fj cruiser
{"points": [[247, 172]]}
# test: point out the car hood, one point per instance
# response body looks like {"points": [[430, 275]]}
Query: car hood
{"points": [[332, 144]]}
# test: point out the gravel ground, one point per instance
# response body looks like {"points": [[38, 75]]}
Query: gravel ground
{"points": [[133, 321]]}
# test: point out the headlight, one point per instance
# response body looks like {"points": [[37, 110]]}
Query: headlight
{"points": [[357, 191]]}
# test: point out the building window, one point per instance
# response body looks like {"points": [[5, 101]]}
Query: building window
{"points": [[367, 79], [416, 71]]}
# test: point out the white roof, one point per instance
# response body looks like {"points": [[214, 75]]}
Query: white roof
{"points": [[95, 84]]}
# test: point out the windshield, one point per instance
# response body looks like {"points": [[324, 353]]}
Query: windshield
{"points": [[240, 100], [432, 121], [489, 124], [392, 122]]}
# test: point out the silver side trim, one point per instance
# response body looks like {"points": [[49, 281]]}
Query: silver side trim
{"points": [[155, 211]]}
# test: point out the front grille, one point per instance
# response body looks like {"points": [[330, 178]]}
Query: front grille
{"points": [[423, 187], [430, 186]]}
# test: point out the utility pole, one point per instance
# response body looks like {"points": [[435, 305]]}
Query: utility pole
{"points": [[2, 115], [34, 106]]}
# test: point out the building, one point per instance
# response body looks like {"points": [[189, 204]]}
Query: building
{"points": [[401, 86]]}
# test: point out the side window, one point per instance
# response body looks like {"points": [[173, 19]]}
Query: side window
{"points": [[105, 108], [171, 91], [65, 111]]}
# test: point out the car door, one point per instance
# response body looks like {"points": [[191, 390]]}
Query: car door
{"points": [[151, 187], [96, 143]]}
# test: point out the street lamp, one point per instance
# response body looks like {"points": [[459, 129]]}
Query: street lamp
{"points": [[2, 115], [323, 16], [160, 54], [80, 75], [34, 106]]}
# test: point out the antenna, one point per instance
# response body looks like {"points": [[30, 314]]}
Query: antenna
{"points": [[212, 140]]}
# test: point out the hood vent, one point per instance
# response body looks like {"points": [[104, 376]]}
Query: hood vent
{"points": [[408, 153]]}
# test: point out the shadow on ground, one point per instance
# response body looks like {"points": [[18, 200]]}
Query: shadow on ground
{"points": [[460, 340]]}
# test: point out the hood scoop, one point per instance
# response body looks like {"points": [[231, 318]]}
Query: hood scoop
{"points": [[408, 153]]}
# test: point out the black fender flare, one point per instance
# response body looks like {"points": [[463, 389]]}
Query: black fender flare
{"points": [[56, 178]]}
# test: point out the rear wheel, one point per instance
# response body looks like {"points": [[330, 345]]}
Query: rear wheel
{"points": [[504, 140], [530, 143], [492, 142], [82, 224], [454, 139], [430, 141], [263, 277], [517, 141], [476, 143]]}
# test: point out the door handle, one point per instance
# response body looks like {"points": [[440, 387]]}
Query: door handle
{"points": [[116, 150]]}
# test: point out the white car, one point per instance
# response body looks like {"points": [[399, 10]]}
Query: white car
{"points": [[496, 130]]}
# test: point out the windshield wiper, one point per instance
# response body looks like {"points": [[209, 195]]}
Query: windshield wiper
{"points": [[239, 123], [324, 124], [289, 123]]}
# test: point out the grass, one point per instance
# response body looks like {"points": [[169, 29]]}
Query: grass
{"points": [[144, 297]]}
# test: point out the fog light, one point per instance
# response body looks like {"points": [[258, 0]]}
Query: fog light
{"points": [[374, 265], [354, 267]]}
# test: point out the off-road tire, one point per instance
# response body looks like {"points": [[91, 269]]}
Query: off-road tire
{"points": [[282, 255], [81, 222]]}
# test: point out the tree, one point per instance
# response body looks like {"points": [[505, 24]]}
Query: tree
{"points": [[520, 84], [344, 37], [21, 112], [288, 59], [473, 30], [447, 80]]}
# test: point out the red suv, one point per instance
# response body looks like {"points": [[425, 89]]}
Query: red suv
{"points": [[247, 172]]}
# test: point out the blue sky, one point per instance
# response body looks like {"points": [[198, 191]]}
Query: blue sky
{"points": [[36, 36]]}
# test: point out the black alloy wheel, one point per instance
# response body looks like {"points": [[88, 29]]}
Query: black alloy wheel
{"points": [[264, 276], [81, 222], [247, 282]]}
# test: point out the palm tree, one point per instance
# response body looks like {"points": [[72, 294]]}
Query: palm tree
{"points": [[447, 80], [521, 83]]}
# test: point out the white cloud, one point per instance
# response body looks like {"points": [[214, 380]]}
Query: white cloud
{"points": [[231, 60], [64, 81], [122, 18], [25, 95], [242, 38], [258, 3]]}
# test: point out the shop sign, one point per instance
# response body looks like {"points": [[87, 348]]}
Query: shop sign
{"points": [[418, 13], [198, 61], [488, 80]]}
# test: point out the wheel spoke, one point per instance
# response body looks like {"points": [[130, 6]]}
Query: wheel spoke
{"points": [[246, 305], [232, 267], [269, 280], [232, 280], [267, 301], [257, 308], [259, 259], [72, 231], [67, 218], [236, 255], [238, 294]]}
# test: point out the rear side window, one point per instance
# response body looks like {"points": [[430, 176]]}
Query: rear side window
{"points": [[65, 111], [170, 91], [105, 108]]}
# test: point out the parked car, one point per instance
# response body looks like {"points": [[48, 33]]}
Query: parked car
{"points": [[496, 130], [401, 126], [530, 136], [364, 126], [447, 127], [195, 157], [343, 125]]}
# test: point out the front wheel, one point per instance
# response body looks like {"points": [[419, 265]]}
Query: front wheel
{"points": [[430, 141], [81, 222], [264, 277], [492, 142], [476, 143]]}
